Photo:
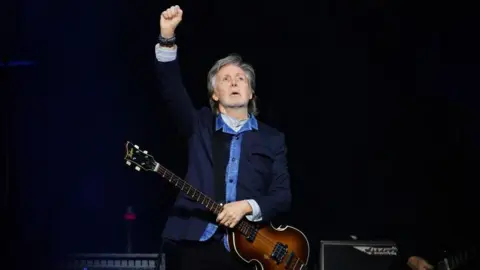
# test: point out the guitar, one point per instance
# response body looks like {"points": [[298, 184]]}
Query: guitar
{"points": [[263, 246], [457, 260], [454, 260]]}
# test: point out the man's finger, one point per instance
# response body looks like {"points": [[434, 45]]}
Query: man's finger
{"points": [[227, 223], [221, 216], [223, 219], [235, 222]]}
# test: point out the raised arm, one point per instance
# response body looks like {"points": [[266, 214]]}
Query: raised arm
{"points": [[172, 89]]}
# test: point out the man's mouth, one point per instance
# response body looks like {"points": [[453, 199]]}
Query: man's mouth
{"points": [[235, 93]]}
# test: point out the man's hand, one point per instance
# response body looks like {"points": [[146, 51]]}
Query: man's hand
{"points": [[417, 263], [233, 212], [169, 20]]}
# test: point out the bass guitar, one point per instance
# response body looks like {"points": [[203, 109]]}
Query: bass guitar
{"points": [[264, 246]]}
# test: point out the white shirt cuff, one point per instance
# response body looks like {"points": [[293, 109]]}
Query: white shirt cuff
{"points": [[256, 215], [165, 54]]}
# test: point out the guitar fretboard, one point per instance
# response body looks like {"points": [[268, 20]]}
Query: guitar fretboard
{"points": [[189, 190], [193, 193]]}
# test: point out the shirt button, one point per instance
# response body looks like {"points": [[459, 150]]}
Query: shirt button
{"points": [[231, 180], [233, 159], [236, 137]]}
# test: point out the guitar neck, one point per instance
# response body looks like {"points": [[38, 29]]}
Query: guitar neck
{"points": [[188, 189], [243, 226]]}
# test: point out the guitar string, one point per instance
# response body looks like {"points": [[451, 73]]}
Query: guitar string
{"points": [[165, 172]]}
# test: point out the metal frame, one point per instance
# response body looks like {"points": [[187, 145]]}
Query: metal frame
{"points": [[361, 243], [102, 258]]}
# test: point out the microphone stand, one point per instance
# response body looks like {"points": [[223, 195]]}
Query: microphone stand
{"points": [[129, 217]]}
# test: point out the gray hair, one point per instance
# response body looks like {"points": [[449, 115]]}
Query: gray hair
{"points": [[232, 59]]}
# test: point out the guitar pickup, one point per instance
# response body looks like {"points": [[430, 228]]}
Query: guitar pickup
{"points": [[279, 252], [289, 258]]}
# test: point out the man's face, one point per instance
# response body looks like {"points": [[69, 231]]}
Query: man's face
{"points": [[232, 89]]}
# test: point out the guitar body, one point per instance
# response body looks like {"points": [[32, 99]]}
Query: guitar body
{"points": [[272, 248]]}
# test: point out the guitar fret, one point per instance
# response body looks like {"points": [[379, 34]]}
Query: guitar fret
{"points": [[213, 206], [245, 229], [190, 191], [241, 227], [212, 203]]}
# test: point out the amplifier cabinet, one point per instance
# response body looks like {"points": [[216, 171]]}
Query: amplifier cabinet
{"points": [[357, 255], [113, 261]]}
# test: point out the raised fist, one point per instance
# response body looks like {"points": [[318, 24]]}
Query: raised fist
{"points": [[169, 20]]}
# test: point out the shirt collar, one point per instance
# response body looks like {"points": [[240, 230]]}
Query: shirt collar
{"points": [[224, 121]]}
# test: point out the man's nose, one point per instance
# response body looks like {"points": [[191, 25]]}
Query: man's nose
{"points": [[234, 82]]}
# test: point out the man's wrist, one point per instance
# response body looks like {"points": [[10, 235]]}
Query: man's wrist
{"points": [[248, 208], [166, 33]]}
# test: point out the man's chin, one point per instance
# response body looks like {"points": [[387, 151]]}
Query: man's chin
{"points": [[235, 105]]}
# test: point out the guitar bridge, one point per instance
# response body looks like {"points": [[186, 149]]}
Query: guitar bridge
{"points": [[279, 252]]}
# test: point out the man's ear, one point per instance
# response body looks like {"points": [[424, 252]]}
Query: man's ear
{"points": [[214, 95]]}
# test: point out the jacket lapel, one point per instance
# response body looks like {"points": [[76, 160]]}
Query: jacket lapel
{"points": [[206, 134]]}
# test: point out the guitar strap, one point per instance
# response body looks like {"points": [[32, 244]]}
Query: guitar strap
{"points": [[220, 154]]}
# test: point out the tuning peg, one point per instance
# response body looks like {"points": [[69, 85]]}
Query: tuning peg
{"points": [[145, 152], [128, 163], [137, 168], [136, 146]]}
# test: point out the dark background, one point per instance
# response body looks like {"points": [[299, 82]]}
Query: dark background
{"points": [[378, 101]]}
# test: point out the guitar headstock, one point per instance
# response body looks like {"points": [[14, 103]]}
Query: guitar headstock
{"points": [[140, 158]]}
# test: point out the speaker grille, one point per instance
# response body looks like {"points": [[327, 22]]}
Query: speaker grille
{"points": [[357, 255]]}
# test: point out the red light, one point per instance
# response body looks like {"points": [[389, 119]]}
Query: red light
{"points": [[129, 216]]}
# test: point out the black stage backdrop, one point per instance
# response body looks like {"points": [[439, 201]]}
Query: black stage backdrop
{"points": [[377, 100]]}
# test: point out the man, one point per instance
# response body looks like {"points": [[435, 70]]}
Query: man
{"points": [[232, 157]]}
